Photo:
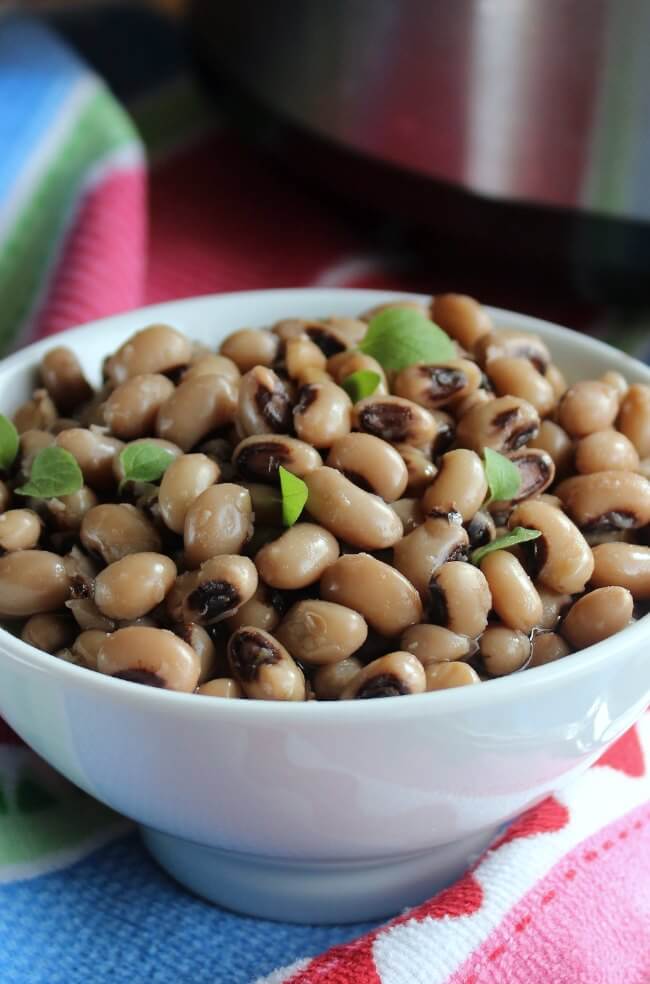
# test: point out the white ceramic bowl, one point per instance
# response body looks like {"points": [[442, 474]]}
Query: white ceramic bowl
{"points": [[319, 812]]}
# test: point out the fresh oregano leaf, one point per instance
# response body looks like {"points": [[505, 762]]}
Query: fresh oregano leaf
{"points": [[400, 337], [519, 535], [9, 443], [54, 473], [145, 462], [294, 496], [358, 385], [503, 476]]}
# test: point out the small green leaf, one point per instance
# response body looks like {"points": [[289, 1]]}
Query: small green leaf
{"points": [[146, 462], [503, 476], [359, 385], [518, 535], [9, 443], [294, 496], [54, 473], [400, 337]]}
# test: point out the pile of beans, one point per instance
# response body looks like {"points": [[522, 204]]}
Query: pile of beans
{"points": [[193, 584]]}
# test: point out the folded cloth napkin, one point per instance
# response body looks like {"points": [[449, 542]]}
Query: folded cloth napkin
{"points": [[564, 895]]}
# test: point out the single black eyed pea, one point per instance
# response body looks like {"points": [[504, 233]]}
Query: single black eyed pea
{"points": [[31, 582], [263, 611], [298, 557], [588, 406], [39, 413], [134, 585], [263, 667], [330, 680], [434, 644], [183, 482], [49, 632], [20, 529], [95, 453], [634, 418], [5, 496], [554, 605], [155, 349], [326, 337], [461, 317], [88, 616], [617, 381], [264, 403], [409, 512], [301, 353], [219, 521], [514, 596], [87, 645], [322, 414], [445, 676], [154, 657], [623, 564], [396, 420], [118, 470], [63, 378], [557, 443], [606, 500], [423, 552], [605, 450], [536, 473], [460, 485], [201, 642], [343, 364], [597, 615], [195, 408], [215, 592], [433, 386], [258, 459], [547, 647], [460, 599], [504, 425], [68, 511], [388, 602], [481, 529], [562, 558], [132, 408], [420, 469], [250, 347], [353, 330], [504, 650], [519, 377], [372, 464], [114, 530], [556, 378], [394, 675], [221, 687], [505, 343], [288, 328], [208, 364], [357, 517], [321, 632]]}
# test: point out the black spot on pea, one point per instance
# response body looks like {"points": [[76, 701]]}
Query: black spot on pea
{"points": [[141, 676], [213, 599], [249, 652], [382, 685]]}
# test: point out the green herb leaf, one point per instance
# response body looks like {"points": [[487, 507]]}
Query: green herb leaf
{"points": [[359, 385], [519, 535], [503, 476], [54, 473], [9, 442], [294, 496], [400, 337], [146, 462]]}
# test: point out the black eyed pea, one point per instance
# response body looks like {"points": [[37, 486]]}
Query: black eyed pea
{"points": [[606, 500], [132, 586], [434, 644], [396, 420], [300, 353], [634, 418], [423, 552], [221, 687], [623, 564], [63, 378], [326, 337], [118, 470], [420, 469], [461, 317], [353, 330], [288, 328], [557, 443], [519, 377], [298, 557], [251, 347], [554, 606], [208, 364], [605, 450], [86, 646], [215, 592], [615, 380], [39, 413], [95, 453], [445, 676], [504, 424], [154, 657], [263, 667], [388, 602], [481, 529], [586, 407], [372, 464], [115, 530], [5, 496], [322, 414], [264, 403], [49, 632], [556, 378], [20, 529], [201, 642], [459, 598], [345, 363], [68, 511], [597, 615], [434, 386], [507, 344], [219, 521], [504, 650], [263, 611], [183, 482], [88, 616], [258, 459], [357, 517], [330, 680], [514, 596], [536, 473], [409, 512], [394, 675], [320, 632], [31, 582], [155, 349], [132, 408], [460, 485], [195, 408], [547, 647], [562, 558]]}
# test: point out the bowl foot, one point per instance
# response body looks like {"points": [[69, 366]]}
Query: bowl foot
{"points": [[328, 892]]}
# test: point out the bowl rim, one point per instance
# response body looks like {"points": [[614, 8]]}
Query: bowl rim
{"points": [[506, 689]]}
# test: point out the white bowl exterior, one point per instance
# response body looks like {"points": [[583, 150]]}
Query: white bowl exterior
{"points": [[321, 782]]}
